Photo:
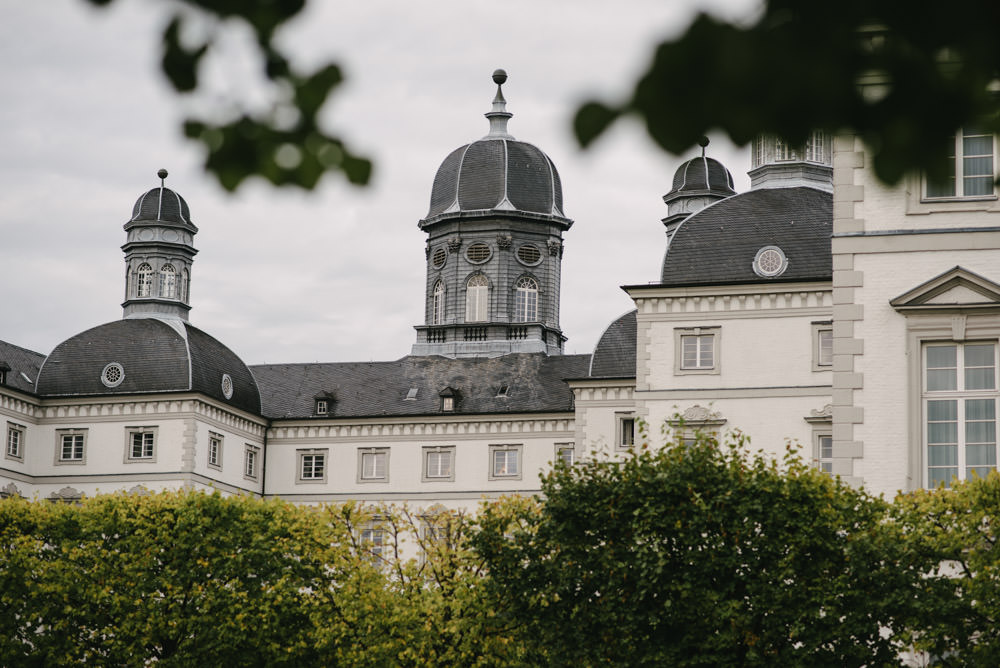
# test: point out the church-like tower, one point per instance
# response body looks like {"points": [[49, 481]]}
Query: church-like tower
{"points": [[159, 251], [494, 248]]}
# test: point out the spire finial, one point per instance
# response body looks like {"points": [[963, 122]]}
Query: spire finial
{"points": [[162, 173], [498, 116], [703, 142]]}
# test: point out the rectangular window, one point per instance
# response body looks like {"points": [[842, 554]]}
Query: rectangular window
{"points": [[968, 166], [372, 541], [696, 350], [312, 466], [71, 446], [505, 461], [373, 465], [566, 453], [15, 442], [141, 445], [215, 450], [822, 346], [251, 465], [439, 463], [322, 408], [824, 452], [960, 410], [625, 432]]}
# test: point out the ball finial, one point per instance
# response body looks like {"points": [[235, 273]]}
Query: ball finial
{"points": [[162, 173], [499, 77], [703, 142]]}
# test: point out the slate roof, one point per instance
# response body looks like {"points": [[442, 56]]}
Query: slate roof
{"points": [[701, 176], [717, 245], [156, 356], [497, 174], [379, 389], [20, 361], [614, 354], [164, 205]]}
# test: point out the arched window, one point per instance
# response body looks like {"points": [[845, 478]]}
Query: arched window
{"points": [[144, 280], [182, 293], [437, 306], [526, 300], [477, 296], [168, 281]]}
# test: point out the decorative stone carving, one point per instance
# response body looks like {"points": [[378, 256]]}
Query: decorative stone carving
{"points": [[504, 241], [555, 249], [824, 414], [427, 250], [139, 490], [10, 489], [66, 494], [454, 244], [698, 413]]}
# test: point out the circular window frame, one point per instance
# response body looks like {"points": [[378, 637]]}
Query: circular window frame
{"points": [[764, 255], [533, 247], [477, 245], [111, 369], [227, 386], [439, 253]]}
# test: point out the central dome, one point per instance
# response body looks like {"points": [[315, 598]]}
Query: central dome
{"points": [[496, 174]]}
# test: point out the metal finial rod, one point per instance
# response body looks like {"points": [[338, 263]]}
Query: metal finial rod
{"points": [[498, 115], [162, 173]]}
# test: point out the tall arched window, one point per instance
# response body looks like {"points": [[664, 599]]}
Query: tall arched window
{"points": [[477, 295], [526, 300], [437, 306], [144, 280], [168, 281]]}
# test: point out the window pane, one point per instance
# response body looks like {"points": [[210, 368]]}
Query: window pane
{"points": [[938, 411], [825, 347], [942, 432], [941, 368], [981, 455], [942, 455], [979, 409], [941, 356], [977, 145], [936, 477]]}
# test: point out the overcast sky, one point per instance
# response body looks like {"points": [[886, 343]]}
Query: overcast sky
{"points": [[336, 274]]}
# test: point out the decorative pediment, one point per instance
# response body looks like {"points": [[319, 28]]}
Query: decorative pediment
{"points": [[66, 494], [8, 490], [139, 490], [698, 416], [955, 290], [821, 415]]}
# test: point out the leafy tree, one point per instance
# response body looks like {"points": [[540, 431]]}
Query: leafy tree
{"points": [[952, 537], [900, 75], [698, 556]]}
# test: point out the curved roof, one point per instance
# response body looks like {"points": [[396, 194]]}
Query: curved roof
{"points": [[155, 356], [161, 205], [701, 176], [614, 354], [499, 175], [719, 243]]}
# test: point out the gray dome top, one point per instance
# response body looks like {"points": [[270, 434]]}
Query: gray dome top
{"points": [[161, 204], [496, 174], [152, 356], [701, 176], [614, 354], [720, 243]]}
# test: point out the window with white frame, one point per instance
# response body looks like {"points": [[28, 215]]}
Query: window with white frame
{"points": [[968, 166], [822, 345], [372, 541], [960, 410], [824, 452], [439, 463], [437, 304], [215, 450], [696, 350], [477, 296], [565, 453], [251, 463], [71, 446], [373, 464], [168, 281], [526, 300], [625, 431], [144, 280], [312, 466], [140, 444], [15, 442], [505, 462]]}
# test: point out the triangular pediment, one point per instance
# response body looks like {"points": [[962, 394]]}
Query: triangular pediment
{"points": [[956, 288]]}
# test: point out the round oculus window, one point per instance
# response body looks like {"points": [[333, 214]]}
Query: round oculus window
{"points": [[770, 261], [529, 254], [439, 257], [478, 253], [113, 375], [227, 386]]}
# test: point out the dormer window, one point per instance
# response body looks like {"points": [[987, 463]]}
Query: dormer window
{"points": [[322, 407], [503, 392], [447, 403], [323, 403], [4, 368], [411, 394], [449, 399]]}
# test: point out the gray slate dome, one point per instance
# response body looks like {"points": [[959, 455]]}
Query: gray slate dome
{"points": [[154, 356], [719, 244], [701, 176], [614, 354], [161, 204]]}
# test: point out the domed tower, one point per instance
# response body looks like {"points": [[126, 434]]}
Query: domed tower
{"points": [[159, 251], [494, 248], [697, 183]]}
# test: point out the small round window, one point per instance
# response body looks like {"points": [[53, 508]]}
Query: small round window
{"points": [[477, 253], [529, 255], [227, 386], [439, 258], [113, 375], [770, 261]]}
